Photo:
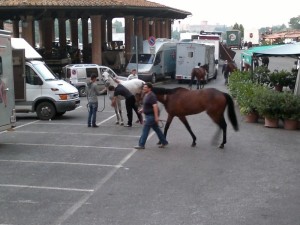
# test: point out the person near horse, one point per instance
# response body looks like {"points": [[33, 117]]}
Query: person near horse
{"points": [[133, 75], [255, 62], [150, 109], [225, 71], [265, 61], [130, 102], [243, 63], [92, 92]]}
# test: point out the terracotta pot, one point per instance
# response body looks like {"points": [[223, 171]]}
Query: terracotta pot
{"points": [[271, 123], [290, 124], [251, 117]]}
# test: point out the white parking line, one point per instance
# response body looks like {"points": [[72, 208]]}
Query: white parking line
{"points": [[82, 134], [48, 188], [63, 163], [72, 146], [86, 197]]}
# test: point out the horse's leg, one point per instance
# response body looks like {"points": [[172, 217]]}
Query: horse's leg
{"points": [[120, 117], [220, 120], [117, 114], [198, 83], [187, 126], [223, 125], [169, 121], [191, 81]]}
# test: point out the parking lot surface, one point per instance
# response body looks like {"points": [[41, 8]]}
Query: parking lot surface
{"points": [[62, 172]]}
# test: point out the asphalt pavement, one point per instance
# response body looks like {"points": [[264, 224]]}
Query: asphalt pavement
{"points": [[62, 172]]}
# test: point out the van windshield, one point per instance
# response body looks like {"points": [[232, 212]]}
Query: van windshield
{"points": [[45, 72], [143, 58]]}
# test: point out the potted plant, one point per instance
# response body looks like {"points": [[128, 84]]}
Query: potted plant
{"points": [[279, 79], [290, 111], [245, 99], [269, 105]]}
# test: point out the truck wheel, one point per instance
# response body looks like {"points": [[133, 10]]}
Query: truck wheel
{"points": [[45, 111], [153, 78], [82, 92]]}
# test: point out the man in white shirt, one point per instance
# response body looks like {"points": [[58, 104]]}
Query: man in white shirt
{"points": [[133, 75]]}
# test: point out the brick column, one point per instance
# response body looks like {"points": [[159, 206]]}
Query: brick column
{"points": [[96, 39], [129, 33], [74, 32]]}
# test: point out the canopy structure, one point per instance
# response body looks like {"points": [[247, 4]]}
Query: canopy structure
{"points": [[289, 50], [248, 54]]}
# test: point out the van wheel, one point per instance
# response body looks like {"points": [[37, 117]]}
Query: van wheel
{"points": [[153, 78], [82, 92], [45, 111]]}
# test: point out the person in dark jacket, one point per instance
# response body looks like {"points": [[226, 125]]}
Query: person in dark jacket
{"points": [[130, 104]]}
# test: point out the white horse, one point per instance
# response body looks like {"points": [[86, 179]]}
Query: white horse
{"points": [[135, 86]]}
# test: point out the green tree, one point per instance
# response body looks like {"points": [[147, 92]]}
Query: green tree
{"points": [[295, 23], [119, 27], [176, 35], [240, 27]]}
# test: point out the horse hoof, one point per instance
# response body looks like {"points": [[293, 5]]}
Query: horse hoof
{"points": [[117, 122], [193, 145], [121, 123], [221, 146]]}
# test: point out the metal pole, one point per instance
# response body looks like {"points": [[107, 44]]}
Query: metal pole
{"points": [[136, 54]]}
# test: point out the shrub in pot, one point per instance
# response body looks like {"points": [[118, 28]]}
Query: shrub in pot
{"points": [[269, 104], [279, 79]]}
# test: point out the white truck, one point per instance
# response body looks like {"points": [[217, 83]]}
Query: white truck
{"points": [[251, 36], [156, 62], [189, 54], [37, 89], [7, 101]]}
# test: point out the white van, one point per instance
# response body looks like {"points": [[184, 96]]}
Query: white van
{"points": [[156, 62], [79, 74], [37, 89]]}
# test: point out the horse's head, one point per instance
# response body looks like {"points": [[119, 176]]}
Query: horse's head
{"points": [[107, 78], [206, 67], [232, 66]]}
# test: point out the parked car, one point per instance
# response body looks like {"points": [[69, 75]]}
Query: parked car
{"points": [[79, 74]]}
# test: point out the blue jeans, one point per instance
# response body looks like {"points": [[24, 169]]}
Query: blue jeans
{"points": [[93, 108], [150, 123]]}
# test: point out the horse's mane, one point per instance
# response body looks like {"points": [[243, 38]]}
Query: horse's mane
{"points": [[165, 91]]}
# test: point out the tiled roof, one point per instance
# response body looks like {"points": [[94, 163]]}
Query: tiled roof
{"points": [[87, 3]]}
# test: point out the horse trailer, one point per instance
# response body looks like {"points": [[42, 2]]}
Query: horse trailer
{"points": [[189, 54], [7, 95]]}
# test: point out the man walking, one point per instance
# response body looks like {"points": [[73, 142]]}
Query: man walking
{"points": [[150, 109]]}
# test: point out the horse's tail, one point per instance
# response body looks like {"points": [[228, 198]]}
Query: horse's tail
{"points": [[231, 112]]}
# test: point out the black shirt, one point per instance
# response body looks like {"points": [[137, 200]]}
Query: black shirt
{"points": [[123, 91]]}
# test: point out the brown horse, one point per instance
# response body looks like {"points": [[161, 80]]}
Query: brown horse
{"points": [[182, 102], [200, 74], [227, 69]]}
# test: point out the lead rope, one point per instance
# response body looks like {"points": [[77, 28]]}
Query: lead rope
{"points": [[87, 105]]}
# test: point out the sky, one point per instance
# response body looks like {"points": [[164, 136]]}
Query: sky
{"points": [[261, 13]]}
